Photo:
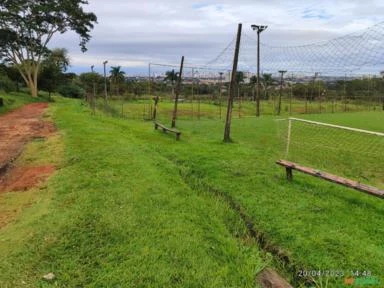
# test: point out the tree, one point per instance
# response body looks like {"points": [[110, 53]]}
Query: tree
{"points": [[27, 26], [267, 82], [91, 81], [59, 58], [52, 68], [173, 77], [253, 80], [117, 77], [6, 83], [240, 77]]}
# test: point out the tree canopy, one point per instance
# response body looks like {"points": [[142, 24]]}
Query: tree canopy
{"points": [[171, 76], [27, 26], [52, 68]]}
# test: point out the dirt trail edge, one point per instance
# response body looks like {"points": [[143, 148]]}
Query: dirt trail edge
{"points": [[16, 129]]}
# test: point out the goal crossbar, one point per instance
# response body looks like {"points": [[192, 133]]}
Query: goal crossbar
{"points": [[338, 126]]}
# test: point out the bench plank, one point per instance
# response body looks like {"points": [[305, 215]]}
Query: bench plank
{"points": [[165, 129], [331, 178]]}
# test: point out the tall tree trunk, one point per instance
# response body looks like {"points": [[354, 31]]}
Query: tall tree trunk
{"points": [[30, 79], [32, 87]]}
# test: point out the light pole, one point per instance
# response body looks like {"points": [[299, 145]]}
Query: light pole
{"points": [[258, 29], [105, 80]]}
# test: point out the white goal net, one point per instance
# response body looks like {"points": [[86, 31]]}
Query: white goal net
{"points": [[345, 151]]}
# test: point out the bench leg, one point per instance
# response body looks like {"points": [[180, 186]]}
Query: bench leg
{"points": [[164, 130], [156, 126], [289, 173], [177, 136]]}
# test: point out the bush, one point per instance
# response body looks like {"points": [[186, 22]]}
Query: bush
{"points": [[7, 84], [71, 91]]}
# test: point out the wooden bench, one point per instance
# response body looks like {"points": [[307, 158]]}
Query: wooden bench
{"points": [[289, 166], [165, 129]]}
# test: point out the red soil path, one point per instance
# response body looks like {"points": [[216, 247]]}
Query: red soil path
{"points": [[16, 129]]}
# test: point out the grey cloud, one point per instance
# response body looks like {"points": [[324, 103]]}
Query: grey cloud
{"points": [[148, 30]]}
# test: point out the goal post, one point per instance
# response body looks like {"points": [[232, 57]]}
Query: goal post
{"points": [[350, 152]]}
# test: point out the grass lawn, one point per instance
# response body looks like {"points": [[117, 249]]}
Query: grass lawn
{"points": [[117, 215], [209, 109], [132, 207], [319, 225]]}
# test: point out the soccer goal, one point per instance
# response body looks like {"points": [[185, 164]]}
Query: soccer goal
{"points": [[325, 150]]}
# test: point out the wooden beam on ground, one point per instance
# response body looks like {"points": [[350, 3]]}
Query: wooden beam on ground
{"points": [[165, 129], [270, 279], [331, 178]]}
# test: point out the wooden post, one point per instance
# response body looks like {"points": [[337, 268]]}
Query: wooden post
{"points": [[281, 91], [178, 88], [289, 173], [156, 99], [288, 137], [227, 130]]}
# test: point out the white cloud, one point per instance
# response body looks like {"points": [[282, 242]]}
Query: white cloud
{"points": [[132, 33]]}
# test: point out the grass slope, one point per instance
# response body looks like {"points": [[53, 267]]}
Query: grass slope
{"points": [[120, 215], [320, 225], [17, 99]]}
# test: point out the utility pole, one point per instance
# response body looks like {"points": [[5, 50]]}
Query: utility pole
{"points": [[258, 29], [227, 130], [282, 72], [177, 92], [105, 81]]}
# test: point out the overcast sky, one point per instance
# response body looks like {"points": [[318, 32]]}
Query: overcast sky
{"points": [[134, 33]]}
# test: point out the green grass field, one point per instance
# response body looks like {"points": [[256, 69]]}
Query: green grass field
{"points": [[209, 109], [131, 207]]}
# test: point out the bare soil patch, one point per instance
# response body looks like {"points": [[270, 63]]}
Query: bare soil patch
{"points": [[19, 127], [24, 178]]}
